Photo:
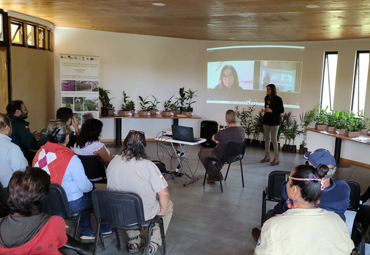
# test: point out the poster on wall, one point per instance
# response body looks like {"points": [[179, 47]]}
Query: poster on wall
{"points": [[79, 85]]}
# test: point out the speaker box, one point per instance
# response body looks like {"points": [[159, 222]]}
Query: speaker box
{"points": [[207, 129]]}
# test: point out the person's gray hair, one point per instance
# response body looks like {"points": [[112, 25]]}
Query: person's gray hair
{"points": [[57, 131]]}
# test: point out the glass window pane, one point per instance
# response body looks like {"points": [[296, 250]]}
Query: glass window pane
{"points": [[1, 28], [42, 38], [31, 35], [46, 39], [360, 82], [17, 33], [329, 79]]}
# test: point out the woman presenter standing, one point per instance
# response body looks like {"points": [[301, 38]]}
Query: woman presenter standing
{"points": [[271, 121]]}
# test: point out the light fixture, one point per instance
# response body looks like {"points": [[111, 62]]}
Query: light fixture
{"points": [[158, 4], [312, 6]]}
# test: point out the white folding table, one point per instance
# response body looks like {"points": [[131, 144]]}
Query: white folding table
{"points": [[181, 156]]}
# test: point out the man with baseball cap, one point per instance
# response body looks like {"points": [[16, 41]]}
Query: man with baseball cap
{"points": [[335, 196]]}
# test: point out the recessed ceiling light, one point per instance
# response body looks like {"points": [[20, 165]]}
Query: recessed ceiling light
{"points": [[312, 6], [158, 4], [211, 25]]}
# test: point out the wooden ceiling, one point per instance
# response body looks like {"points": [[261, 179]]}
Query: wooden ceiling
{"points": [[230, 20]]}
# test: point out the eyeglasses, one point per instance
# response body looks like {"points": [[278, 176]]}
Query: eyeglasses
{"points": [[227, 77], [141, 132]]}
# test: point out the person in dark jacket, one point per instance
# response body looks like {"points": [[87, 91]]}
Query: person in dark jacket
{"points": [[21, 136], [271, 121]]}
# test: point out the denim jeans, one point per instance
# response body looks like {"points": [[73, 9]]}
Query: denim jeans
{"points": [[80, 204]]}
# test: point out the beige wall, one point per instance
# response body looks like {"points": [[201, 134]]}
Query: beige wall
{"points": [[33, 82], [145, 65]]}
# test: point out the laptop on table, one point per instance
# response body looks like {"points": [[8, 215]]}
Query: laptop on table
{"points": [[182, 133]]}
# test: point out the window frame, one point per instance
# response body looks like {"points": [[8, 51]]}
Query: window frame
{"points": [[35, 35], [355, 76], [23, 37], [326, 54], [44, 37]]}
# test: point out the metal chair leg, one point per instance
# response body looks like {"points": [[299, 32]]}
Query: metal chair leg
{"points": [[241, 169], [77, 225], [149, 237], [205, 177], [96, 238], [227, 171], [222, 190], [118, 240], [163, 236]]}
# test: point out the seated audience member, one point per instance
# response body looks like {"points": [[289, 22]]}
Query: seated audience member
{"points": [[133, 172], [65, 114], [362, 217], [305, 229], [233, 133], [11, 156], [27, 230], [88, 143], [335, 196], [21, 135], [66, 169]]}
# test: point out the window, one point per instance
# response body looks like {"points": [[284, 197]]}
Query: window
{"points": [[328, 80], [42, 38], [360, 82], [17, 32], [31, 36]]}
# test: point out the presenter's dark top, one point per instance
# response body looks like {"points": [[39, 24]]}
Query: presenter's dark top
{"points": [[277, 107], [231, 134], [21, 134]]}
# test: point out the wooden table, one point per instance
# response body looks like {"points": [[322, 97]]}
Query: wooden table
{"points": [[338, 143], [119, 118]]}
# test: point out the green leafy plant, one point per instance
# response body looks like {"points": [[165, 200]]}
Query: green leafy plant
{"points": [[104, 98], [144, 104], [321, 117], [341, 121], [69, 105], [182, 97], [170, 106], [257, 127], [293, 132], [332, 118], [153, 104], [285, 124], [244, 118], [306, 119], [190, 94], [127, 104]]}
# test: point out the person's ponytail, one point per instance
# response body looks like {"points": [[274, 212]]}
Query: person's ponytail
{"points": [[321, 170]]}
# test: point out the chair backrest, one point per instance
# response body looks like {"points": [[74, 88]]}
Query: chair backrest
{"points": [[354, 197], [56, 202], [233, 152], [3, 195], [273, 190], [29, 154], [94, 167], [119, 209]]}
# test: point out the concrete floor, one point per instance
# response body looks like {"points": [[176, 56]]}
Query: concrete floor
{"points": [[206, 221]]}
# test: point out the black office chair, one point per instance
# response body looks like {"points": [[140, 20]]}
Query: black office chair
{"points": [[4, 208], [123, 210], [57, 204], [354, 198], [232, 153], [94, 168], [273, 190]]}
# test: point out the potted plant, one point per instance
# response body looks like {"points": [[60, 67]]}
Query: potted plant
{"points": [[257, 128], [105, 101], [341, 124], [128, 106], [332, 118], [306, 119], [190, 94], [363, 124], [182, 99], [353, 124], [154, 106], [169, 107], [293, 132], [245, 120], [285, 124], [321, 120], [145, 106]]}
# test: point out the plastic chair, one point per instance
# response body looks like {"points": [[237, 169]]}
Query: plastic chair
{"points": [[123, 210], [232, 153], [57, 204], [94, 168], [354, 197], [273, 190]]}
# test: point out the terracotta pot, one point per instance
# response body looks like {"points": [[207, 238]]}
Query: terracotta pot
{"points": [[320, 127], [341, 131], [352, 133], [331, 129], [123, 113]]}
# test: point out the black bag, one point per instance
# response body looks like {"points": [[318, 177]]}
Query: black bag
{"points": [[161, 166]]}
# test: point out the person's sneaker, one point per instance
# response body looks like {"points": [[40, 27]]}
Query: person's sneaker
{"points": [[153, 247], [87, 235], [256, 234], [134, 244]]}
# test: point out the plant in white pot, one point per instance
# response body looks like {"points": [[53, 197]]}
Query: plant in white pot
{"points": [[128, 106], [145, 106], [154, 106]]}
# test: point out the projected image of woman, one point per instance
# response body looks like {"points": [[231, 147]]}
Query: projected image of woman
{"points": [[271, 121], [228, 79]]}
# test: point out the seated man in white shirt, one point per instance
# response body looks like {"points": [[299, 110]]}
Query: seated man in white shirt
{"points": [[11, 156], [133, 172]]}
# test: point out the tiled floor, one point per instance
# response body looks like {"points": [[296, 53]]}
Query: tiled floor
{"points": [[206, 221]]}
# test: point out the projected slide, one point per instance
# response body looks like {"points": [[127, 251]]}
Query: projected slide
{"points": [[244, 82]]}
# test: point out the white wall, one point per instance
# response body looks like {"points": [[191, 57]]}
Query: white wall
{"points": [[145, 65]]}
